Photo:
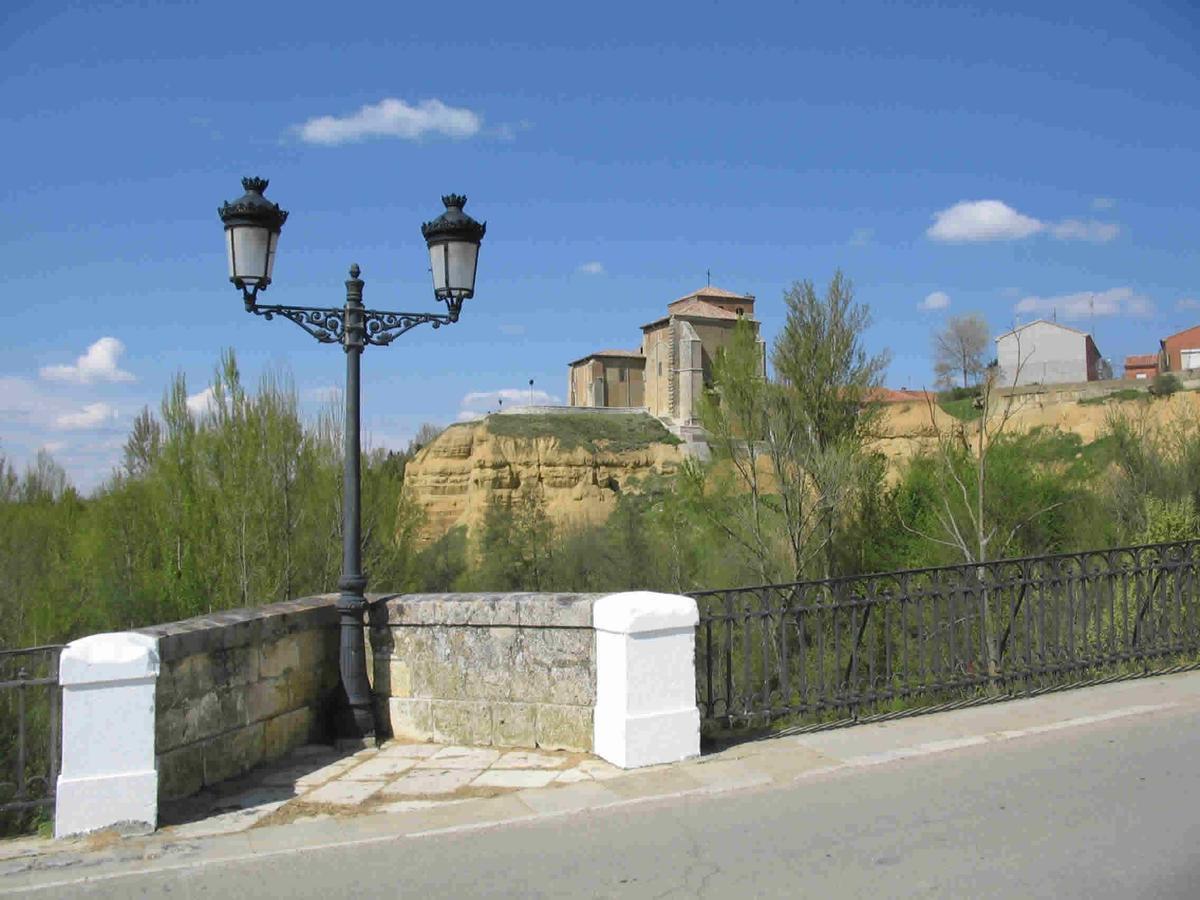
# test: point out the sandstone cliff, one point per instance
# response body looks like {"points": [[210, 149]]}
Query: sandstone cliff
{"points": [[579, 464]]}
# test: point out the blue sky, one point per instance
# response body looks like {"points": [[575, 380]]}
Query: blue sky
{"points": [[949, 159]]}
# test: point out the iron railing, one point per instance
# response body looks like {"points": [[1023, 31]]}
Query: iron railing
{"points": [[807, 655], [30, 744]]}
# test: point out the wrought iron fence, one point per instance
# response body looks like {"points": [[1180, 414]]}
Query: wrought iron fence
{"points": [[815, 654], [30, 746]]}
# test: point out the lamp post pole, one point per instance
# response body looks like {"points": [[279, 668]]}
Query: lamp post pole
{"points": [[358, 713], [252, 228]]}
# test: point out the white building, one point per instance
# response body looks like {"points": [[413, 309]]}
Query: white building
{"points": [[1042, 352]]}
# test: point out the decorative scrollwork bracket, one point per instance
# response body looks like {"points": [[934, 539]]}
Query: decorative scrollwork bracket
{"points": [[352, 326]]}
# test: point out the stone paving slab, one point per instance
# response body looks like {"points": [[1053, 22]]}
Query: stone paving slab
{"points": [[514, 778], [236, 820], [423, 782], [460, 758], [525, 759], [415, 751], [381, 767], [344, 793]]}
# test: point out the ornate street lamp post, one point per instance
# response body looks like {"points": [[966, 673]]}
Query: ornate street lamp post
{"points": [[252, 227]]}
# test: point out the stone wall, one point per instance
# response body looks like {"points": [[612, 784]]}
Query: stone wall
{"points": [[1084, 390], [241, 687], [514, 670]]}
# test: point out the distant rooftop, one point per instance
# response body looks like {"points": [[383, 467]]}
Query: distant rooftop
{"points": [[611, 354], [714, 292], [1141, 359]]}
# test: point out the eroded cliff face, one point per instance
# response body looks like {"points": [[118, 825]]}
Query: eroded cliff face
{"points": [[454, 478], [467, 465]]}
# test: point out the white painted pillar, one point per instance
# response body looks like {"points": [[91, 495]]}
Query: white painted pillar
{"points": [[109, 776], [646, 710]]}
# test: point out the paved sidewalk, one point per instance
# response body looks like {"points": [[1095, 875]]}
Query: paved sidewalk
{"points": [[413, 790], [317, 783]]}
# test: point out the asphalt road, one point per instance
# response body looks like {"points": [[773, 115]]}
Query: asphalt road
{"points": [[1106, 810]]}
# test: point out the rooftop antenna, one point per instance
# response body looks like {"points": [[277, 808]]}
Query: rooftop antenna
{"points": [[531, 392], [708, 276]]}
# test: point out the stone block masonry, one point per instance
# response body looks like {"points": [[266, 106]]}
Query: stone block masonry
{"points": [[239, 688], [514, 670], [161, 713]]}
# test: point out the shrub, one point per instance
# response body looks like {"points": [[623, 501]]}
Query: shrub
{"points": [[1164, 384], [1169, 520]]}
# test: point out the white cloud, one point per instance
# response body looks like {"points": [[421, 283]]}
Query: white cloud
{"points": [[1187, 303], [981, 220], [514, 396], [201, 402], [1102, 203], [993, 220], [99, 363], [936, 300], [1091, 230], [1120, 301], [477, 403], [393, 118], [592, 268], [91, 416]]}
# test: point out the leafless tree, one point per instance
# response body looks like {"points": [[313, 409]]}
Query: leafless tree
{"points": [[960, 349], [964, 509]]}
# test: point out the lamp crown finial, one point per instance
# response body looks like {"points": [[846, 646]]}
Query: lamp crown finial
{"points": [[255, 184], [454, 201]]}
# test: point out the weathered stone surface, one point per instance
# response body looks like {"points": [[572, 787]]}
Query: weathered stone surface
{"points": [[283, 732], [430, 782], [564, 728], [524, 759], [267, 698], [242, 627], [280, 657], [411, 719], [399, 677], [233, 753], [344, 793], [462, 721], [180, 772], [513, 725], [515, 778], [536, 610], [470, 465]]}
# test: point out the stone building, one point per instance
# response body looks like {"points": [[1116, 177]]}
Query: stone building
{"points": [[668, 373], [607, 378], [1042, 352]]}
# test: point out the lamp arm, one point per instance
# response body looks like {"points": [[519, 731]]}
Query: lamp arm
{"points": [[328, 325]]}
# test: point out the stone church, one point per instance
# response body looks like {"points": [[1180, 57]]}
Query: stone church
{"points": [[667, 374]]}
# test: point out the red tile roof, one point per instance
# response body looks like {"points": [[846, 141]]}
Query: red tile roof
{"points": [[1141, 359]]}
